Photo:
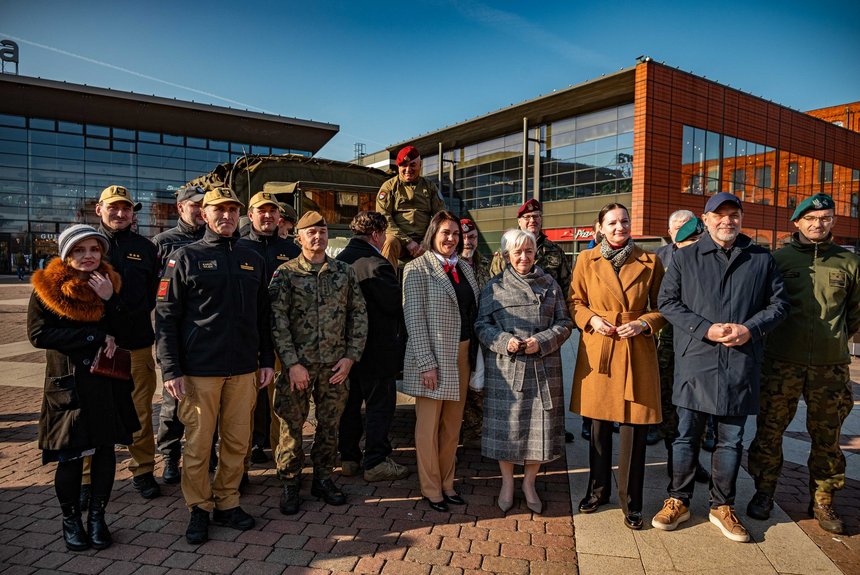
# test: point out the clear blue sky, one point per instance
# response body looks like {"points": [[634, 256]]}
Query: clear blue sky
{"points": [[387, 71]]}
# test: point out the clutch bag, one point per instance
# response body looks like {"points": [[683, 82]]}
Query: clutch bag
{"points": [[116, 367]]}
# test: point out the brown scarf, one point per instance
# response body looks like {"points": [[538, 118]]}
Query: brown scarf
{"points": [[67, 295]]}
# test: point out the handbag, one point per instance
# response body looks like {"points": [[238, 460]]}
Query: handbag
{"points": [[116, 367], [476, 381]]}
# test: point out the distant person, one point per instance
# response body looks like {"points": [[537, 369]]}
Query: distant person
{"points": [[522, 324], [808, 356], [722, 294], [287, 223], [408, 201], [20, 265], [75, 310]]}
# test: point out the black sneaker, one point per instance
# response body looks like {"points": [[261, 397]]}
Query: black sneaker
{"points": [[236, 518], [198, 527], [290, 500], [258, 455], [760, 506], [146, 485], [326, 490], [171, 473]]}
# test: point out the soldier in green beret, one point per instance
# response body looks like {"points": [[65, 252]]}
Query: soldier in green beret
{"points": [[319, 325], [809, 356]]}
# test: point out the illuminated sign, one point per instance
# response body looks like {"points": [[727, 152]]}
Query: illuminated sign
{"points": [[8, 53]]}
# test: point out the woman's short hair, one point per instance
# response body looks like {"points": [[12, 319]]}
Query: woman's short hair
{"points": [[435, 223], [367, 222], [608, 208], [516, 238]]}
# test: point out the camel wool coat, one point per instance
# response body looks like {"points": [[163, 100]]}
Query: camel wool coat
{"points": [[616, 379]]}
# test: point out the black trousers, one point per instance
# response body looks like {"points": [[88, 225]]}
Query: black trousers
{"points": [[168, 439], [631, 463], [380, 398], [68, 476], [262, 421]]}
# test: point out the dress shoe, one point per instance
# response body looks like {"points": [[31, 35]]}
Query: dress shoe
{"points": [[237, 518], [290, 500], [172, 473], [258, 455], [633, 520], [591, 503], [702, 475], [146, 485], [505, 504], [455, 499], [536, 507], [198, 527], [760, 506], [437, 505], [73, 528], [586, 432], [326, 490]]}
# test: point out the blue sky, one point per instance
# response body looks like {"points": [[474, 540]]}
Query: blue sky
{"points": [[387, 71]]}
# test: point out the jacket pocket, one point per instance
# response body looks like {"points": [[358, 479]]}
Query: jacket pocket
{"points": [[61, 393]]}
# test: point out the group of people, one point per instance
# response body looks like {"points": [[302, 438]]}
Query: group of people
{"points": [[251, 329]]}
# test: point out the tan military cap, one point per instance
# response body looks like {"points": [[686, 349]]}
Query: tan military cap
{"points": [[220, 196], [113, 194], [263, 198], [311, 219]]}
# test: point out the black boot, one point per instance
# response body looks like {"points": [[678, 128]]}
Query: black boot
{"points": [[73, 529], [172, 474], [100, 536]]}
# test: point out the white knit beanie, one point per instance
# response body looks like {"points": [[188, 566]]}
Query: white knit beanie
{"points": [[77, 233]]}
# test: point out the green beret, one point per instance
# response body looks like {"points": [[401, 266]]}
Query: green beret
{"points": [[691, 228], [816, 202], [309, 219]]}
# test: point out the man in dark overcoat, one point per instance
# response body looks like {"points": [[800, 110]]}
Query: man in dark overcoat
{"points": [[722, 294]]}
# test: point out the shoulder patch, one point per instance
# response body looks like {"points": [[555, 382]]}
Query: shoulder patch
{"points": [[171, 263], [380, 196], [163, 290]]}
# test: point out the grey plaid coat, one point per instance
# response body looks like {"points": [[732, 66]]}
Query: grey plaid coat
{"points": [[433, 323], [523, 405]]}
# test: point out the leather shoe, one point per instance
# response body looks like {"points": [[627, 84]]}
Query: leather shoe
{"points": [[591, 503], [146, 485], [437, 505], [290, 500], [702, 475], [326, 490], [198, 526], [171, 474], [633, 520], [237, 518], [586, 432], [453, 499], [258, 455]]}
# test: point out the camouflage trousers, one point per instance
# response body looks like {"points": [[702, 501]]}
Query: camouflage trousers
{"points": [[473, 416], [828, 396], [292, 409], [666, 363]]}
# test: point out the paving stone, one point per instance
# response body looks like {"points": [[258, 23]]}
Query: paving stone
{"points": [[429, 556], [285, 556], [505, 565]]}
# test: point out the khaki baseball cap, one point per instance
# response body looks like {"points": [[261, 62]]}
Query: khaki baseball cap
{"points": [[263, 198], [112, 194], [220, 196]]}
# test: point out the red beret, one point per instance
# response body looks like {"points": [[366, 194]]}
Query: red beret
{"points": [[407, 154], [531, 205], [467, 225]]}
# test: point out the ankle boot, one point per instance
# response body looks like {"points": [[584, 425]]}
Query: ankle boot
{"points": [[99, 535], [73, 529]]}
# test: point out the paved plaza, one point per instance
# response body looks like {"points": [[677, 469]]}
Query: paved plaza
{"points": [[386, 528]]}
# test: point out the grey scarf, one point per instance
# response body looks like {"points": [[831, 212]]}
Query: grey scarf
{"points": [[618, 256]]}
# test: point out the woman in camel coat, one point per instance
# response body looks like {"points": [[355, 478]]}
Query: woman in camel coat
{"points": [[613, 300]]}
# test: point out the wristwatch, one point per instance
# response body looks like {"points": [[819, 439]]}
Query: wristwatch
{"points": [[644, 324]]}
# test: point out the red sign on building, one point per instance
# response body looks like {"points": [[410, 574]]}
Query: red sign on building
{"points": [[570, 234]]}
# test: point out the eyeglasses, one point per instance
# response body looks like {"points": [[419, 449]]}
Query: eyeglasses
{"points": [[531, 217], [821, 219]]}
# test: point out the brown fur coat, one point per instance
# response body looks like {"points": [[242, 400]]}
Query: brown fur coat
{"points": [[67, 295]]}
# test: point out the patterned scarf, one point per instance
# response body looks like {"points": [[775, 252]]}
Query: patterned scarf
{"points": [[618, 256]]}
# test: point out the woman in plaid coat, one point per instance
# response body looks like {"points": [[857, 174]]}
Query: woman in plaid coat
{"points": [[522, 323], [440, 297]]}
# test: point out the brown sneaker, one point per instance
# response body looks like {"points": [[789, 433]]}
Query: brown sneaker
{"points": [[673, 513], [827, 517], [724, 517], [388, 470]]}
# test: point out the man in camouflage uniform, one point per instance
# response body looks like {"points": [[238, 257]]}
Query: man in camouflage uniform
{"points": [[319, 325], [473, 414], [808, 356], [407, 201], [550, 257]]}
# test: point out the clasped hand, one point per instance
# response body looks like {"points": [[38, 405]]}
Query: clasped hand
{"points": [[729, 334], [531, 345], [624, 331]]}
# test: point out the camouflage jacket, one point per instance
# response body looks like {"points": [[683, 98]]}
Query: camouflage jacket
{"points": [[550, 258], [481, 267], [408, 208], [317, 317]]}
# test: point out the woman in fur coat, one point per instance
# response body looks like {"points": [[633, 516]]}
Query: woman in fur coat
{"points": [[73, 311]]}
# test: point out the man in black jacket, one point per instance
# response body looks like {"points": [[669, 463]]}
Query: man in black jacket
{"points": [[264, 214], [213, 333], [135, 259], [372, 378], [189, 229]]}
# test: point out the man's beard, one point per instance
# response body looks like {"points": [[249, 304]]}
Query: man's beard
{"points": [[468, 253]]}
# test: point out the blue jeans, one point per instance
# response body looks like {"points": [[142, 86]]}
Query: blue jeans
{"points": [[725, 461]]}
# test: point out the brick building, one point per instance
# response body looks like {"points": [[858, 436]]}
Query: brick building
{"points": [[654, 138]]}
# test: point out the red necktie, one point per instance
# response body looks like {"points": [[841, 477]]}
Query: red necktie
{"points": [[452, 269]]}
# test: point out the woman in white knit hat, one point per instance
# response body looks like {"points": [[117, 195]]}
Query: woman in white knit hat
{"points": [[74, 310]]}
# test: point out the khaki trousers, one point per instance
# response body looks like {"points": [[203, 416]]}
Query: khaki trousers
{"points": [[391, 250], [437, 433], [206, 399], [142, 449]]}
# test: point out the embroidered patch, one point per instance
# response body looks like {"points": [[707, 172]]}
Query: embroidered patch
{"points": [[381, 196], [248, 267], [838, 280], [208, 265], [163, 289], [171, 264], [133, 256]]}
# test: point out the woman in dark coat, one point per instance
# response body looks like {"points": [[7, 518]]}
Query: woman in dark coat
{"points": [[73, 311], [522, 323]]}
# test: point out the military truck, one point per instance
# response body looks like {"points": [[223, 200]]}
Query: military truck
{"points": [[337, 190]]}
